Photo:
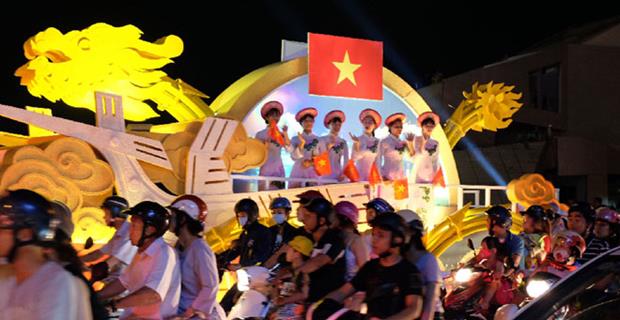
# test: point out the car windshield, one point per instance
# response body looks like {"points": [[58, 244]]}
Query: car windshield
{"points": [[588, 290]]}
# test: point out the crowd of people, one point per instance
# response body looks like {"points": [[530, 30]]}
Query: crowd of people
{"points": [[325, 267], [386, 154]]}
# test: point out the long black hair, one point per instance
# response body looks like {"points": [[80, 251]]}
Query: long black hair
{"points": [[68, 257]]}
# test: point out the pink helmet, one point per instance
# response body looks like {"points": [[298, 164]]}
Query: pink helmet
{"points": [[607, 215], [347, 209]]}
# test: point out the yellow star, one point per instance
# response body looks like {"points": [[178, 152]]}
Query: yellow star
{"points": [[347, 69], [401, 188], [322, 163]]}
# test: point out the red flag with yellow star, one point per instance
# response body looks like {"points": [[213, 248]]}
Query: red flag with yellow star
{"points": [[401, 189], [345, 67], [322, 165]]}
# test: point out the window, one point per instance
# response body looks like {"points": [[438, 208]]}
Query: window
{"points": [[544, 86]]}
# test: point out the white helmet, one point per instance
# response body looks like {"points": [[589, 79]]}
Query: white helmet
{"points": [[506, 312], [252, 277], [413, 220]]}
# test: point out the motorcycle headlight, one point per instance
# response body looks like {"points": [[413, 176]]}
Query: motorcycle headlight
{"points": [[536, 288], [463, 275], [243, 280]]}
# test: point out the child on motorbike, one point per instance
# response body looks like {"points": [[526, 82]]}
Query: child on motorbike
{"points": [[567, 247], [293, 290], [497, 287], [535, 237]]}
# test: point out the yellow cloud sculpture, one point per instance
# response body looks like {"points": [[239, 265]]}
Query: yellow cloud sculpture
{"points": [[531, 189], [72, 66], [65, 169]]}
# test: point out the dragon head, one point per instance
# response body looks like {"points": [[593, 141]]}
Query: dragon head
{"points": [[72, 66]]}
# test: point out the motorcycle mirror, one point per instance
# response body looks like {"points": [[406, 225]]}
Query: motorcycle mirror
{"points": [[470, 245], [89, 243]]}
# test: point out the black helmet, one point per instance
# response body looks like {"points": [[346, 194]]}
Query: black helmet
{"points": [[394, 223], [536, 212], [27, 209], [152, 214], [280, 202], [499, 216], [584, 209], [248, 206], [116, 205], [379, 205], [321, 207]]}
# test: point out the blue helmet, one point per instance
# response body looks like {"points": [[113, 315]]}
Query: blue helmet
{"points": [[26, 209], [379, 205], [280, 203]]}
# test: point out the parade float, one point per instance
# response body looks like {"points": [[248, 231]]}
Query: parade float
{"points": [[209, 150]]}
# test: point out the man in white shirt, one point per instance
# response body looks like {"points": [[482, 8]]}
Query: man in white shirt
{"points": [[153, 278], [199, 274], [39, 288], [119, 251]]}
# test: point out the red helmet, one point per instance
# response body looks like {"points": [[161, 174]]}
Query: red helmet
{"points": [[570, 240], [608, 215], [192, 205]]}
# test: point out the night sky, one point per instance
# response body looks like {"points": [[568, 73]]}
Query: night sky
{"points": [[227, 41]]}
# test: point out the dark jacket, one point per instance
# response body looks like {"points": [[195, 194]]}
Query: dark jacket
{"points": [[254, 245]]}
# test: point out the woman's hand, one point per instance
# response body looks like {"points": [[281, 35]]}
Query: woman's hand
{"points": [[302, 141], [409, 136], [355, 139]]}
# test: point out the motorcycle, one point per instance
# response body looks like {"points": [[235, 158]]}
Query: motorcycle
{"points": [[254, 283], [464, 287], [536, 286]]}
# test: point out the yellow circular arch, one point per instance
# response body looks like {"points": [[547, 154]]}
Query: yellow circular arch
{"points": [[240, 98]]}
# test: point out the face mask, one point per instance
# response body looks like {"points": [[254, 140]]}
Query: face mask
{"points": [[243, 221], [279, 218]]}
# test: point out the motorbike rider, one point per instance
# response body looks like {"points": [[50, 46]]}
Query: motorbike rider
{"points": [[580, 219], [326, 267], [252, 247], [118, 252], [374, 208], [535, 236], [282, 232], [292, 291], [603, 234], [39, 287], [499, 221], [392, 285], [426, 262], [199, 277], [153, 278]]}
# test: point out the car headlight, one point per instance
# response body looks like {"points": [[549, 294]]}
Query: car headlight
{"points": [[243, 280], [463, 275], [536, 288]]}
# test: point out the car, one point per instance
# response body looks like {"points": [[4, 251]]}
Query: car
{"points": [[591, 292]]}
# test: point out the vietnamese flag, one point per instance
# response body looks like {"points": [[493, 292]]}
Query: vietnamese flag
{"points": [[275, 134], [350, 171], [401, 189], [374, 177], [438, 179], [322, 166], [345, 67]]}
